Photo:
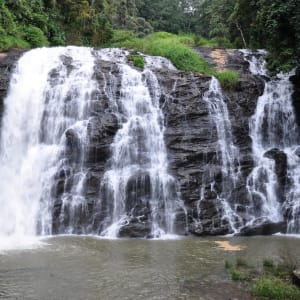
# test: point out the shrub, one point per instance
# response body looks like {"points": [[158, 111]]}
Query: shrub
{"points": [[238, 276], [139, 61], [7, 42], [275, 288]]}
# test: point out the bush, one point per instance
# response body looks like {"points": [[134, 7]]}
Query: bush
{"points": [[8, 42], [139, 61], [275, 288]]}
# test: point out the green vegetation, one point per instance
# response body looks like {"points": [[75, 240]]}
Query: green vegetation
{"points": [[273, 282], [240, 271], [275, 288], [228, 79], [226, 23], [177, 49], [171, 46], [137, 59]]}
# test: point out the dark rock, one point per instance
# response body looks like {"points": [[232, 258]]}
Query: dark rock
{"points": [[191, 140], [280, 159], [296, 277], [192, 147], [263, 227], [8, 61], [295, 79], [136, 230]]}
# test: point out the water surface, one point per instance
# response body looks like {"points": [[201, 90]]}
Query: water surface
{"points": [[77, 268]]}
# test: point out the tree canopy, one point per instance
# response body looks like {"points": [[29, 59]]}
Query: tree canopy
{"points": [[273, 25]]}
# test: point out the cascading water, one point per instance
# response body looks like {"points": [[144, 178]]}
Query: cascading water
{"points": [[48, 118], [227, 154], [273, 184], [139, 156]]}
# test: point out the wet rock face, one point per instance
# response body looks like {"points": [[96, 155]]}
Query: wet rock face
{"points": [[295, 79], [191, 141], [264, 227], [280, 159], [95, 152], [7, 63]]}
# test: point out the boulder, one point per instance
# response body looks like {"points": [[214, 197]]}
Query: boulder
{"points": [[263, 227]]}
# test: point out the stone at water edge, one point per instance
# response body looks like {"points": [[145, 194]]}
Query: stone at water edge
{"points": [[265, 228]]}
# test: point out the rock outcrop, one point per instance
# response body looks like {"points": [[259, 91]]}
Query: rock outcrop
{"points": [[295, 79], [191, 140], [7, 63]]}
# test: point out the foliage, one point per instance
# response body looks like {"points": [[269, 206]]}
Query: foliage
{"points": [[38, 23], [279, 23], [273, 25], [34, 36], [137, 59], [228, 79], [274, 282], [240, 271], [275, 288], [168, 45]]}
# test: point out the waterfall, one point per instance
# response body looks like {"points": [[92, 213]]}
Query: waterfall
{"points": [[139, 160], [45, 139], [274, 192], [227, 155]]}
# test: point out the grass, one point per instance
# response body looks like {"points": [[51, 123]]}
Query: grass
{"points": [[275, 288], [228, 79], [174, 47], [177, 49], [273, 283]]}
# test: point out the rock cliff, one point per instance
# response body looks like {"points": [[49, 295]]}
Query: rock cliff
{"points": [[191, 140]]}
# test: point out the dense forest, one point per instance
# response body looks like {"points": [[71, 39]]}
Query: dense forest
{"points": [[273, 25]]}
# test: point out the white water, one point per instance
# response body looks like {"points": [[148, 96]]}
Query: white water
{"points": [[257, 63], [139, 153], [229, 153], [48, 100], [273, 126], [25, 163]]}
